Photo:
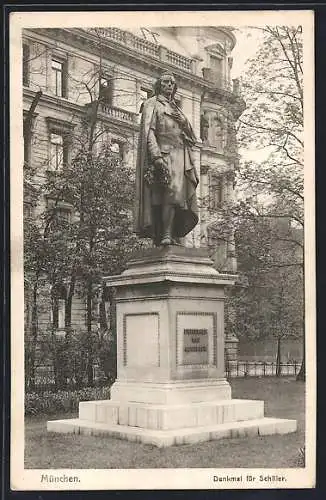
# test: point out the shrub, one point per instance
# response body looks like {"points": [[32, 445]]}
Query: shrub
{"points": [[49, 403], [67, 358]]}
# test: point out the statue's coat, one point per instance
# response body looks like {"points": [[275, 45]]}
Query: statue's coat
{"points": [[187, 219]]}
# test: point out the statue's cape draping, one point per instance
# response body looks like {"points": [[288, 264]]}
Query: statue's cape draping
{"points": [[185, 220]]}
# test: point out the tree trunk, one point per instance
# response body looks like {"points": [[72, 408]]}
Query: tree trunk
{"points": [[28, 332], [301, 377], [90, 378], [278, 358], [32, 353], [69, 302], [103, 319], [113, 327]]}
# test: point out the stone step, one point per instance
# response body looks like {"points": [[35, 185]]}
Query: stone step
{"points": [[163, 438], [165, 417]]}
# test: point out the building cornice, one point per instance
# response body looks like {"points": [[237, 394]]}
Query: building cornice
{"points": [[117, 53], [54, 102], [81, 111], [60, 124], [213, 30], [227, 31]]}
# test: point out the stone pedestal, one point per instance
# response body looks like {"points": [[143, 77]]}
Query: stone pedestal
{"points": [[170, 386]]}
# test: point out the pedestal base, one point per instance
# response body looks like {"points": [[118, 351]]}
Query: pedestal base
{"points": [[173, 424], [170, 387], [169, 437], [168, 417], [173, 392]]}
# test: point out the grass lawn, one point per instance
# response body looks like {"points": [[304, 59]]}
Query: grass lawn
{"points": [[283, 398]]}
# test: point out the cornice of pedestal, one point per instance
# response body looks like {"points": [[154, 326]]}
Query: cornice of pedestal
{"points": [[177, 277], [171, 264]]}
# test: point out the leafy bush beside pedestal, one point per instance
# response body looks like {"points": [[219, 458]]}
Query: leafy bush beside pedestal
{"points": [[50, 403]]}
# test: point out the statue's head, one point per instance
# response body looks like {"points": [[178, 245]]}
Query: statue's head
{"points": [[166, 85]]}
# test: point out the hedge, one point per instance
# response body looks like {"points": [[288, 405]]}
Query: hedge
{"points": [[49, 403]]}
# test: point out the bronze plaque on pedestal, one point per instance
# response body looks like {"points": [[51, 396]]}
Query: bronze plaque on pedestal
{"points": [[195, 346]]}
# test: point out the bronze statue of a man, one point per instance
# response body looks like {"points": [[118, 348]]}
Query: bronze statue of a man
{"points": [[166, 177]]}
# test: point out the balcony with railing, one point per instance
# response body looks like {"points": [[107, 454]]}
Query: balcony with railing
{"points": [[105, 110], [145, 47], [118, 113]]}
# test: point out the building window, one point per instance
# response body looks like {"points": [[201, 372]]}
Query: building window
{"points": [[28, 129], [28, 210], [106, 89], [58, 211], [28, 202], [60, 140], [117, 149], [63, 214], [216, 66], [27, 150], [59, 73], [26, 59], [61, 313], [218, 132], [215, 191], [58, 313], [58, 152]]}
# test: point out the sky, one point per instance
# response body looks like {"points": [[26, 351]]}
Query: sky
{"points": [[245, 48], [247, 44]]}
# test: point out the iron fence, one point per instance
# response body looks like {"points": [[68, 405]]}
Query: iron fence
{"points": [[45, 377], [261, 368]]}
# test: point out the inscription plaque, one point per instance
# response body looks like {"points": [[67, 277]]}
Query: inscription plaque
{"points": [[195, 346]]}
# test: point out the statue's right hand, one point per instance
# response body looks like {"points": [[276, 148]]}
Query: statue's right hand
{"points": [[158, 163]]}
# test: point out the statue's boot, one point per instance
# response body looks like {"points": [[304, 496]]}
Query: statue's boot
{"points": [[168, 218], [157, 225], [177, 241]]}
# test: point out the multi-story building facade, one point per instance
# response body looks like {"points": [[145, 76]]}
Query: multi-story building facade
{"points": [[75, 67]]}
